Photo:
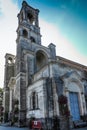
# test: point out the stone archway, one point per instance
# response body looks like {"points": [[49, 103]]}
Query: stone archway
{"points": [[73, 89], [41, 59], [77, 82]]}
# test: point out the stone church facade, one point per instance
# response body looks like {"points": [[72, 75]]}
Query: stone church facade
{"points": [[36, 77]]}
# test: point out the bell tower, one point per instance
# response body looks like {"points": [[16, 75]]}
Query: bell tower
{"points": [[28, 38], [28, 24]]}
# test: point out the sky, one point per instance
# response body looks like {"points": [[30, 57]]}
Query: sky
{"points": [[62, 22]]}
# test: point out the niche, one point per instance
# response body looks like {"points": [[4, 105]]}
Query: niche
{"points": [[25, 33]]}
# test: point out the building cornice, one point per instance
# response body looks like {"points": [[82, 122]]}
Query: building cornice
{"points": [[71, 63]]}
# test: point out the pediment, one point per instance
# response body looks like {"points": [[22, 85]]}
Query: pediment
{"points": [[75, 75], [71, 75]]}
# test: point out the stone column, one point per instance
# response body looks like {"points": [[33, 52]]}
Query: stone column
{"points": [[22, 101], [55, 99]]}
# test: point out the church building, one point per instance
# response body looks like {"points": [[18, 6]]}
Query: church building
{"points": [[36, 78]]}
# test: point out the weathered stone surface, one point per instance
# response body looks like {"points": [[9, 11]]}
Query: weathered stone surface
{"points": [[64, 123], [37, 70]]}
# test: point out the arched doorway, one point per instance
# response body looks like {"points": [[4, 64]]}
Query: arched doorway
{"points": [[41, 59], [74, 99]]}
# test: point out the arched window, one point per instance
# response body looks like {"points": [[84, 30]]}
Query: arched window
{"points": [[25, 33], [10, 60], [31, 18], [32, 39], [34, 101], [21, 18], [41, 60]]}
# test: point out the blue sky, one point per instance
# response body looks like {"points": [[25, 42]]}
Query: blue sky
{"points": [[69, 16], [62, 22]]}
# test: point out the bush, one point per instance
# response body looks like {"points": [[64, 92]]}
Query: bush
{"points": [[16, 102], [16, 110], [5, 117], [30, 122]]}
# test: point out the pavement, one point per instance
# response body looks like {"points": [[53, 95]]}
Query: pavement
{"points": [[12, 128], [16, 128], [84, 128]]}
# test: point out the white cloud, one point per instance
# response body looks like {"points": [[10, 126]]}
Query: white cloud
{"points": [[63, 47], [8, 25], [50, 34]]}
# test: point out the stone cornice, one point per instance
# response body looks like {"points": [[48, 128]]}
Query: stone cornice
{"points": [[71, 63]]}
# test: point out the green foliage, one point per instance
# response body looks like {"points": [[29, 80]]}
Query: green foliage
{"points": [[14, 119], [6, 117], [16, 102], [30, 122], [1, 90], [1, 112], [16, 110]]}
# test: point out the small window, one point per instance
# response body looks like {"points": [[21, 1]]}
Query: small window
{"points": [[34, 101], [9, 60], [22, 17], [25, 33], [30, 18], [32, 39]]}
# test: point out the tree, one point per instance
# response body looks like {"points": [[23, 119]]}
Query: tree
{"points": [[1, 105]]}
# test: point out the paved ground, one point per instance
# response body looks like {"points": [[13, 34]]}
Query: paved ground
{"points": [[84, 128], [12, 128], [15, 128]]}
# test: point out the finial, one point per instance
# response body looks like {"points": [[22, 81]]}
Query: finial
{"points": [[24, 3]]}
